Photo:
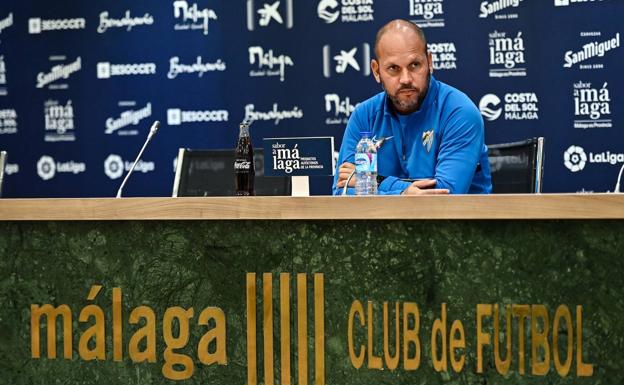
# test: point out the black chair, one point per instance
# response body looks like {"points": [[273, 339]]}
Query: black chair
{"points": [[211, 173], [3, 157], [517, 167]]}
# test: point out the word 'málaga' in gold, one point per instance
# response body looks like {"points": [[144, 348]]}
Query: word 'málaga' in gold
{"points": [[92, 342]]}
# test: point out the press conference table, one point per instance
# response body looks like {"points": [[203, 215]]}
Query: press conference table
{"points": [[510, 207], [325, 266]]}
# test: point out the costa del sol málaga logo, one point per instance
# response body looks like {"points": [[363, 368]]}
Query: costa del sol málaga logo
{"points": [[575, 158]]}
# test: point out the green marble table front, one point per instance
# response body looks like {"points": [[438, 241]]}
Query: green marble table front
{"points": [[180, 297]]}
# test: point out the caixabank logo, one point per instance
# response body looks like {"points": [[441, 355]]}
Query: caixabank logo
{"points": [[192, 17], [115, 165], [127, 21], [268, 63], [37, 25], [512, 106], [346, 11], [8, 121], [575, 158], [500, 9], [53, 79], [427, 13], [263, 13], [340, 61], [589, 56], [126, 123], [592, 105], [198, 68], [47, 167]]}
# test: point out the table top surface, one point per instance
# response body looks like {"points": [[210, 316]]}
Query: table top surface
{"points": [[481, 207]]}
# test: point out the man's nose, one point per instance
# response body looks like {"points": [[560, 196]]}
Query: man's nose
{"points": [[406, 77]]}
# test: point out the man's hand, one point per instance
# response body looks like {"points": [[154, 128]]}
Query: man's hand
{"points": [[424, 187], [344, 171]]}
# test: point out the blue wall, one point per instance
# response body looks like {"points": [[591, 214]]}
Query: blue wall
{"points": [[68, 119]]}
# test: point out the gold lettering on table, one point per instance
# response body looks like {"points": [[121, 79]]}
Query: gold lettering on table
{"points": [[582, 369], [563, 368], [285, 329], [302, 328], [267, 326], [252, 370]]}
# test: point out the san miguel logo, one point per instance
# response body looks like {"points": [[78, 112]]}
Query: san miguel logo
{"points": [[499, 8], [58, 72], [591, 50], [191, 338]]}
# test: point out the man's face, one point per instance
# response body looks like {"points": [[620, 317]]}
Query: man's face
{"points": [[403, 67]]}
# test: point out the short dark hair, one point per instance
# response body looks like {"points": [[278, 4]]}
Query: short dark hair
{"points": [[411, 25]]}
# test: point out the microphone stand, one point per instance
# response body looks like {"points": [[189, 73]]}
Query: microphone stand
{"points": [[153, 130]]}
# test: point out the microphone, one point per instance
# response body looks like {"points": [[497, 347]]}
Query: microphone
{"points": [[152, 132], [617, 185]]}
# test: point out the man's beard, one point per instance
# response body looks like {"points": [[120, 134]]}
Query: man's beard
{"points": [[408, 106]]}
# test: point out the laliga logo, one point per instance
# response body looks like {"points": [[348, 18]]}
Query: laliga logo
{"points": [[575, 158], [488, 107], [46, 168], [324, 13], [114, 166]]}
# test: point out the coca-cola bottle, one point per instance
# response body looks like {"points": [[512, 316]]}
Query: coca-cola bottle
{"points": [[244, 168]]}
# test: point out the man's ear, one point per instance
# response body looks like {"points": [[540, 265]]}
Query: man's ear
{"points": [[430, 60], [375, 68]]}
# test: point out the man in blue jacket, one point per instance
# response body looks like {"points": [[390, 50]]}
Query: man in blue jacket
{"points": [[429, 135]]}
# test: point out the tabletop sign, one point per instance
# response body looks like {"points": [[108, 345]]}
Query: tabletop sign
{"points": [[312, 156]]}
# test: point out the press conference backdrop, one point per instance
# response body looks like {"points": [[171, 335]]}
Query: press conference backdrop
{"points": [[81, 81]]}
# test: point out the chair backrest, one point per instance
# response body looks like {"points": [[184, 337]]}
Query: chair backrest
{"points": [[517, 167], [211, 173], [3, 157]]}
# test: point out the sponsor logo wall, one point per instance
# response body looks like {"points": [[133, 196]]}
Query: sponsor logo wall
{"points": [[74, 114]]}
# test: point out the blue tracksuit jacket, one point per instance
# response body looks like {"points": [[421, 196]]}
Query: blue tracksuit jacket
{"points": [[443, 140]]}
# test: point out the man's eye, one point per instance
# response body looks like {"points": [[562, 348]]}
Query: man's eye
{"points": [[415, 65], [392, 68]]}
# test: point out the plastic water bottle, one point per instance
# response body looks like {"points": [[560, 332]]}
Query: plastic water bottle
{"points": [[365, 166]]}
